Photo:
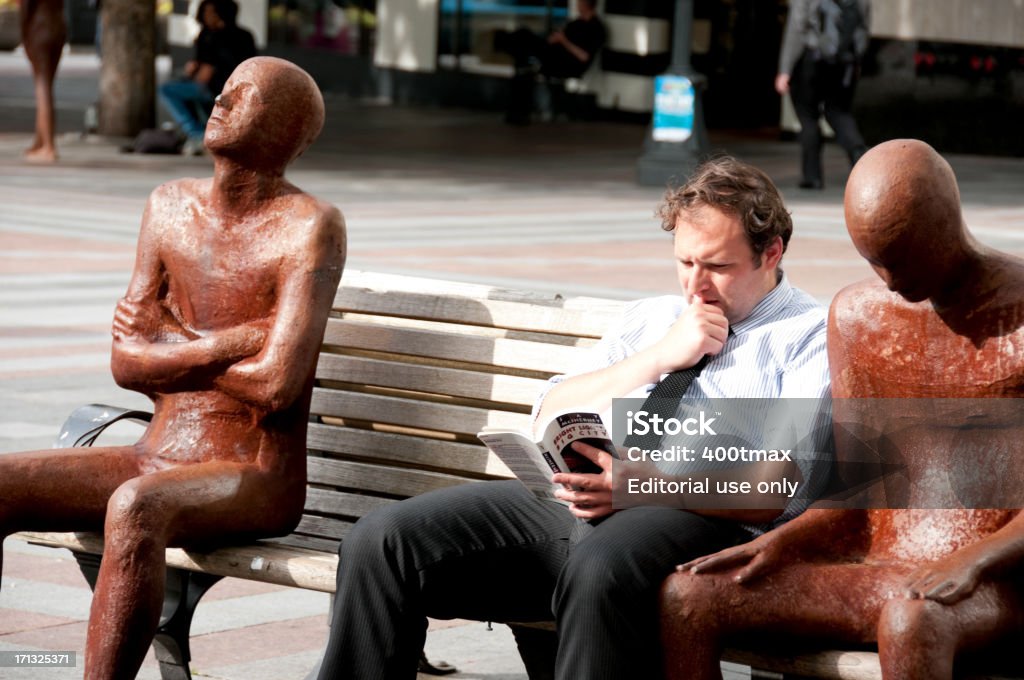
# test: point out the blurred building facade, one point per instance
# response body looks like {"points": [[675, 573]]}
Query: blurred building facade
{"points": [[947, 71]]}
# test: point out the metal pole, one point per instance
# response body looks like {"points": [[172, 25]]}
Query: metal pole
{"points": [[671, 162]]}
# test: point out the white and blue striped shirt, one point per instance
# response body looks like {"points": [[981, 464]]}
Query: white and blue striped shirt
{"points": [[777, 351]]}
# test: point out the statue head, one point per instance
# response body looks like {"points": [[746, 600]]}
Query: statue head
{"points": [[268, 113], [902, 209]]}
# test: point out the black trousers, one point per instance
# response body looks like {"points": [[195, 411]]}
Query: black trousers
{"points": [[818, 87], [493, 552]]}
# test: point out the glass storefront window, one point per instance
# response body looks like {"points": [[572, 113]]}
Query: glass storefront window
{"points": [[338, 26], [467, 28]]}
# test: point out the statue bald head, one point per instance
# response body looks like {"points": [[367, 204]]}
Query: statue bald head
{"points": [[269, 111], [902, 210]]}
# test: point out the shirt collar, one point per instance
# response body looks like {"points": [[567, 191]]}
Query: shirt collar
{"points": [[776, 299]]}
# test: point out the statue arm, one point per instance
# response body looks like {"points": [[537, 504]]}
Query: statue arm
{"points": [[954, 577], [814, 534], [155, 352], [276, 376]]}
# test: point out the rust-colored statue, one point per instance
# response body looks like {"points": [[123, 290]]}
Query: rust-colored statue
{"points": [[43, 32], [945, 321], [221, 327]]}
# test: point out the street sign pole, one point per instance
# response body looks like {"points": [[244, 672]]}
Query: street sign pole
{"points": [[677, 138]]}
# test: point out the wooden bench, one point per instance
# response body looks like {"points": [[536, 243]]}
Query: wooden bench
{"points": [[409, 371]]}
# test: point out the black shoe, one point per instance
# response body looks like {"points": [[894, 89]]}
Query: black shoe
{"points": [[811, 184]]}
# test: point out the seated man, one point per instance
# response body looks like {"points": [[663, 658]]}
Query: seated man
{"points": [[221, 327], [494, 552], [566, 53], [220, 46], [945, 321]]}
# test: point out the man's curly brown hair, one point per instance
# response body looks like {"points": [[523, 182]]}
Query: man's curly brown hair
{"points": [[736, 188]]}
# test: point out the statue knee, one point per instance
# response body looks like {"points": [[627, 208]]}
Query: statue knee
{"points": [[913, 622], [687, 599], [132, 523]]}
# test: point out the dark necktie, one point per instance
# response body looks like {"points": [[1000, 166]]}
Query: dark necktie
{"points": [[666, 394], [675, 384], [664, 400]]}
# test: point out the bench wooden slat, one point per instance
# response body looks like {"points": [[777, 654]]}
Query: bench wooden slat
{"points": [[326, 528], [828, 665], [474, 304], [497, 353], [326, 545], [394, 482], [401, 449], [411, 413], [335, 503], [261, 561], [431, 379]]}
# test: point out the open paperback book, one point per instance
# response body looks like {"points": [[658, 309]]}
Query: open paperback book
{"points": [[533, 462]]}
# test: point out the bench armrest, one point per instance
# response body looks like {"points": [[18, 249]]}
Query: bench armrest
{"points": [[88, 422]]}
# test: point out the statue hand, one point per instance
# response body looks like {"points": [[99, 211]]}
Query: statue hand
{"points": [[946, 581], [133, 319], [752, 560]]}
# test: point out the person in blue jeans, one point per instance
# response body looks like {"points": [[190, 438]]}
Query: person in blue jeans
{"points": [[220, 46]]}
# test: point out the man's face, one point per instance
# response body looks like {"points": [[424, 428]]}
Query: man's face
{"points": [[714, 260], [211, 19]]}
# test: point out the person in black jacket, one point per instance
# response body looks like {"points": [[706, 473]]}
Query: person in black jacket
{"points": [[566, 53], [820, 69], [220, 46]]}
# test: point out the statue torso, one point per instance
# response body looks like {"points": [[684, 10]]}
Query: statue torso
{"points": [[949, 415]]}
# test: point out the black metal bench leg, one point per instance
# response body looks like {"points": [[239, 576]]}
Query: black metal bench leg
{"points": [[182, 592]]}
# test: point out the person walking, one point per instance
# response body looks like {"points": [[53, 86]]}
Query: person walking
{"points": [[819, 65]]}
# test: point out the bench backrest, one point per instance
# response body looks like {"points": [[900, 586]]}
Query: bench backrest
{"points": [[411, 369]]}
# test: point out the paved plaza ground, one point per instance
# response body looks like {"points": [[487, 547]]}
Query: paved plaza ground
{"points": [[436, 192]]}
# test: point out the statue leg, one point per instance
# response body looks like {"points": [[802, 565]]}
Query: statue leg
{"points": [[701, 612], [186, 505], [60, 489], [919, 639]]}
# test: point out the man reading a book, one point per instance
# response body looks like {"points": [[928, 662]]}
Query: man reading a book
{"points": [[494, 552]]}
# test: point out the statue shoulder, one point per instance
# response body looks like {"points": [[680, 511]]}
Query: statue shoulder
{"points": [[177, 193], [316, 217], [316, 228], [860, 304]]}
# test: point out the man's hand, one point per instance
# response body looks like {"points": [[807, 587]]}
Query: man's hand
{"points": [[203, 74], [557, 38], [752, 560], [701, 329], [590, 494], [782, 83], [946, 581]]}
